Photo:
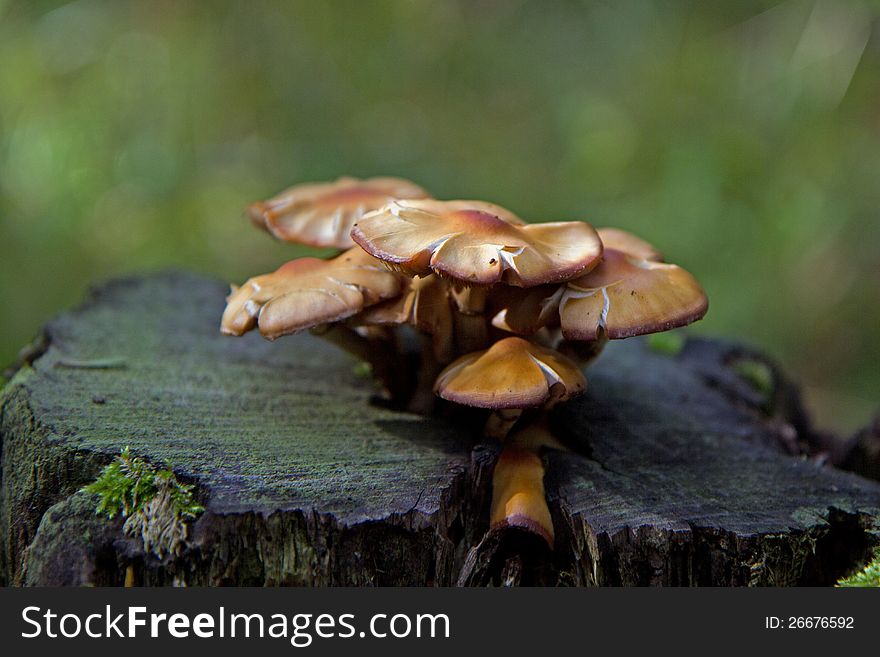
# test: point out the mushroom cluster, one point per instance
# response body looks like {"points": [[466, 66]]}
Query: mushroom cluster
{"points": [[507, 314]]}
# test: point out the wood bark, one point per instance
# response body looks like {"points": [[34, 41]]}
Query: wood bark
{"points": [[683, 470]]}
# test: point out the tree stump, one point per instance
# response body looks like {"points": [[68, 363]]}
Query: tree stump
{"points": [[683, 470]]}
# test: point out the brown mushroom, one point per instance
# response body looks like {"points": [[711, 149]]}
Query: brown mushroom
{"points": [[308, 292], [476, 244], [518, 496], [322, 214], [627, 296], [629, 293], [512, 373], [621, 240]]}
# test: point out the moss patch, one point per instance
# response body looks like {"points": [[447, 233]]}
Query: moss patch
{"points": [[869, 576], [757, 374], [669, 343], [156, 505]]}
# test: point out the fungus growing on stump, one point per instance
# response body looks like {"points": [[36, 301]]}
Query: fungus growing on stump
{"points": [[518, 481], [631, 292], [627, 296], [513, 373], [511, 376], [322, 214], [508, 313], [476, 243], [309, 293]]}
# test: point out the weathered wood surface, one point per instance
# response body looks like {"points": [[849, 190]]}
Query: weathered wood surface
{"points": [[681, 473]]}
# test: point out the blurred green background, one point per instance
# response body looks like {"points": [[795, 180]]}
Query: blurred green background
{"points": [[742, 138]]}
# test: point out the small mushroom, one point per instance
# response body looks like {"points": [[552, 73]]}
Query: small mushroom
{"points": [[518, 498], [322, 214], [627, 296], [629, 293], [308, 292], [476, 243], [518, 495], [512, 373]]}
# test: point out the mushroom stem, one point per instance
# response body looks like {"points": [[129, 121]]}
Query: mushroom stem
{"points": [[500, 422], [518, 498], [583, 353], [380, 353], [470, 300], [547, 337], [129, 577], [518, 495], [471, 332], [471, 324], [423, 399]]}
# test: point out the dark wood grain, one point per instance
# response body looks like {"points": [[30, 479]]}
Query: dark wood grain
{"points": [[680, 473]]}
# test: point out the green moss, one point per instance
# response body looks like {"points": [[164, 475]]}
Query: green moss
{"points": [[869, 576], [129, 483], [363, 370], [757, 374], [668, 344], [156, 505]]}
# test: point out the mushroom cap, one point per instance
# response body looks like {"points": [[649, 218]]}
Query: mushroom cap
{"points": [[476, 243], [512, 373], [525, 312], [627, 296], [308, 292], [322, 214], [621, 240]]}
